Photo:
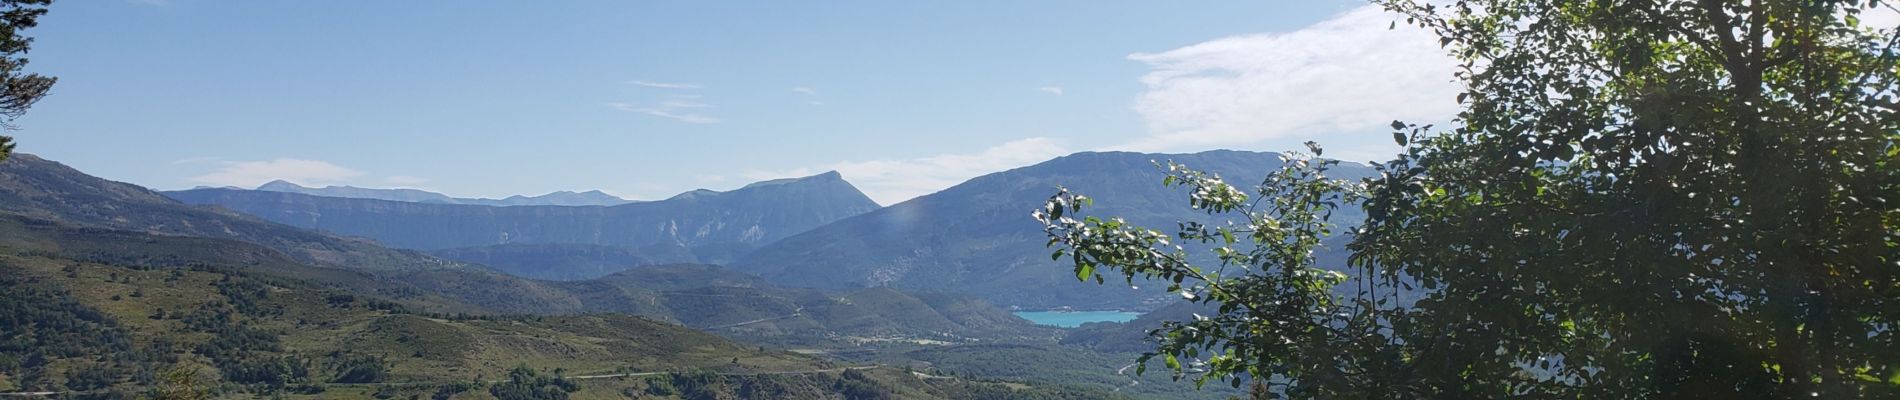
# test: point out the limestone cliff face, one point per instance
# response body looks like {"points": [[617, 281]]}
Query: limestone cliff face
{"points": [[713, 226]]}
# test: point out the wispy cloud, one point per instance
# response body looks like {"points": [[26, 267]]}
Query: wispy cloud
{"points": [[1055, 90], [893, 181], [678, 104], [196, 160], [672, 109], [810, 93], [254, 173], [663, 85], [1337, 81]]}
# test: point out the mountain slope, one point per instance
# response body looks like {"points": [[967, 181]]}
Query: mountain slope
{"points": [[567, 261], [52, 209], [39, 188], [729, 302], [714, 226], [978, 238], [560, 198], [111, 330]]}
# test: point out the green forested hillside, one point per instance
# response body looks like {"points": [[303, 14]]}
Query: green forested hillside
{"points": [[114, 326], [567, 261], [74, 325]]}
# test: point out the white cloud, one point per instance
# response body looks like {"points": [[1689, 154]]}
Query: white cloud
{"points": [[1338, 82], [683, 104], [254, 173], [664, 85], [1055, 90], [672, 109], [893, 181], [806, 90], [404, 181]]}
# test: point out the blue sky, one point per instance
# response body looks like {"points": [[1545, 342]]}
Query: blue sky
{"points": [[647, 99]]}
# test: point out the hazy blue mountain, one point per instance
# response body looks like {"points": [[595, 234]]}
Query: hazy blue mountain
{"points": [[978, 238], [72, 244], [560, 198], [50, 210], [712, 226], [43, 189]]}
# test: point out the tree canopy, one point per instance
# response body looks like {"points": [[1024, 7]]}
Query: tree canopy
{"points": [[1640, 199], [18, 89]]}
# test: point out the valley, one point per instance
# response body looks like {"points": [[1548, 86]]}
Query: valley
{"points": [[322, 309], [890, 200]]}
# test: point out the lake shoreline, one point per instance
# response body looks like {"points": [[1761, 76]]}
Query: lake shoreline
{"points": [[1073, 318]]}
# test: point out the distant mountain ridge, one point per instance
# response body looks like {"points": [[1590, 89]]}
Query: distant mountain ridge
{"points": [[36, 187], [560, 198], [978, 238], [709, 226], [50, 210]]}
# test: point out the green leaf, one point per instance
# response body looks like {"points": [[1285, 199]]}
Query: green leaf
{"points": [[1083, 271]]}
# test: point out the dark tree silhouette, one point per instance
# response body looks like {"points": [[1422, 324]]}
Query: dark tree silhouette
{"points": [[18, 89]]}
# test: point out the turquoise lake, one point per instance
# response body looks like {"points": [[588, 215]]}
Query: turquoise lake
{"points": [[1071, 319]]}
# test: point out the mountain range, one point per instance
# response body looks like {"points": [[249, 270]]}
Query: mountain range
{"points": [[84, 243], [38, 188], [560, 198], [978, 238], [55, 210], [697, 226], [973, 238]]}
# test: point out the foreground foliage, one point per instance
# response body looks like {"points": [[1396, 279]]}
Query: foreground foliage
{"points": [[18, 89], [1641, 199]]}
